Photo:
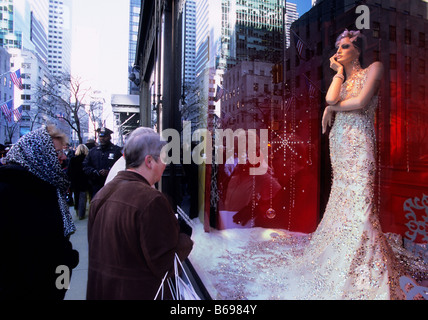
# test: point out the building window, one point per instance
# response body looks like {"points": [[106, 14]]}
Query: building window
{"points": [[421, 43], [319, 48], [421, 66], [393, 61], [422, 93], [256, 86], [376, 29], [266, 88], [407, 36], [407, 90], [408, 65], [393, 89], [392, 33]]}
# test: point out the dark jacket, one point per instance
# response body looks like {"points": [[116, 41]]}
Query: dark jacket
{"points": [[100, 157], [133, 237], [32, 242], [78, 179]]}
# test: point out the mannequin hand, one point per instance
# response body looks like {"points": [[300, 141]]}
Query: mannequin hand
{"points": [[326, 119], [336, 66]]}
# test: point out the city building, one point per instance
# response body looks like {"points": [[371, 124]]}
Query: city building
{"points": [[249, 31], [125, 107], [126, 110], [134, 21], [24, 35], [24, 25], [7, 133], [189, 45], [59, 37], [39, 27], [251, 100], [34, 73]]}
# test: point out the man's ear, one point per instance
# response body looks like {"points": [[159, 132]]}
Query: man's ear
{"points": [[148, 161]]}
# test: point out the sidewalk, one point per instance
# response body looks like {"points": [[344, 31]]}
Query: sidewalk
{"points": [[79, 276]]}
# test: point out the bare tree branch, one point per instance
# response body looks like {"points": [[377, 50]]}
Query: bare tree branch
{"points": [[66, 97]]}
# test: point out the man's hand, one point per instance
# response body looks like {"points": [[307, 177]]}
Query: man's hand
{"points": [[103, 172]]}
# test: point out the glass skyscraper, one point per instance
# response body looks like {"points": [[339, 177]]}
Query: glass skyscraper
{"points": [[16, 32], [59, 36], [231, 31], [134, 21]]}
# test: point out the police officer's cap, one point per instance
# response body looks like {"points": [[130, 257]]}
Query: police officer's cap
{"points": [[104, 132]]}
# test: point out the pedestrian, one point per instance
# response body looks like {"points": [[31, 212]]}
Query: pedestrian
{"points": [[132, 230], [2, 153], [79, 180], [90, 143], [120, 164], [35, 222], [100, 160]]}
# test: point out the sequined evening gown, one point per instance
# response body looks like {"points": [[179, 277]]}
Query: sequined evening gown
{"points": [[350, 256]]}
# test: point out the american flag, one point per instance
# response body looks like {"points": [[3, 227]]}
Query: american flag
{"points": [[299, 44], [219, 93], [16, 78], [7, 108], [289, 103], [18, 114], [312, 88]]}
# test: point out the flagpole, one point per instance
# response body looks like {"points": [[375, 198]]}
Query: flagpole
{"points": [[1, 75]]}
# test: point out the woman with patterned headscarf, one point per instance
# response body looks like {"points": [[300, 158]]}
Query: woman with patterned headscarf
{"points": [[35, 222]]}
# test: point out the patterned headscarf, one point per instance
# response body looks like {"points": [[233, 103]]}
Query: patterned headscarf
{"points": [[35, 151]]}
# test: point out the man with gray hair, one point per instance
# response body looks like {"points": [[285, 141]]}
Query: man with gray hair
{"points": [[133, 233], [120, 164]]}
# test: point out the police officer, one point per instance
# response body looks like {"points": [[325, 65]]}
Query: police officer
{"points": [[100, 159]]}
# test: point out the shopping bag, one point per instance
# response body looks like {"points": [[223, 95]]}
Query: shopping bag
{"points": [[180, 286]]}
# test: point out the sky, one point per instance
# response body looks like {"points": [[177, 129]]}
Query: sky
{"points": [[302, 6], [100, 44]]}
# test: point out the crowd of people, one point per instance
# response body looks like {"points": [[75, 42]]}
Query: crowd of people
{"points": [[41, 176]]}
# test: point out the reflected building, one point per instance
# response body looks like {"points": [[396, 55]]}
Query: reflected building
{"points": [[250, 99], [249, 31], [134, 21]]}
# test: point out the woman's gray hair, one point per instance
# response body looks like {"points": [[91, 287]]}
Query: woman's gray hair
{"points": [[141, 143]]}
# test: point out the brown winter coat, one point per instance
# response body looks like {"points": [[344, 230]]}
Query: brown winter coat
{"points": [[133, 237]]}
